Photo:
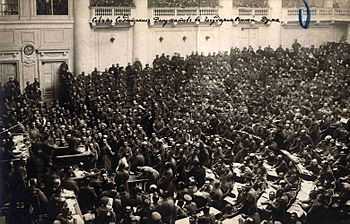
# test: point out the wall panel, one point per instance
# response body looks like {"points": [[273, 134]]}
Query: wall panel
{"points": [[173, 41], [208, 40], [28, 37], [7, 37], [312, 36], [118, 51], [29, 71]]}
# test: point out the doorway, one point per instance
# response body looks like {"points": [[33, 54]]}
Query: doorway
{"points": [[49, 77], [249, 37], [7, 70]]}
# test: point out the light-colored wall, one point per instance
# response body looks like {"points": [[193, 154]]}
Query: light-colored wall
{"points": [[312, 36], [142, 41], [52, 37], [71, 38], [119, 51]]}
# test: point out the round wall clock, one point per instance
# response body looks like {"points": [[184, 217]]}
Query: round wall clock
{"points": [[28, 50]]}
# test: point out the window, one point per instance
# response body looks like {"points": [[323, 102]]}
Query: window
{"points": [[8, 7], [52, 7]]}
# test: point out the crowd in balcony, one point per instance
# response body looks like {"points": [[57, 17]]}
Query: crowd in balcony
{"points": [[300, 3], [250, 3], [293, 3], [8, 7], [173, 121], [112, 3], [182, 3], [344, 4]]}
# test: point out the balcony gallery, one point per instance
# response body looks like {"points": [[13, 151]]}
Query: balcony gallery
{"points": [[114, 13]]}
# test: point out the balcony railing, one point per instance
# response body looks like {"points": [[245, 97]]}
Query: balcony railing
{"points": [[181, 12], [247, 14], [288, 14], [318, 14], [104, 17], [110, 11], [252, 12], [341, 12]]}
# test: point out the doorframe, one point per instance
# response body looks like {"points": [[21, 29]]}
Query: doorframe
{"points": [[13, 57], [41, 63], [18, 74], [49, 56]]}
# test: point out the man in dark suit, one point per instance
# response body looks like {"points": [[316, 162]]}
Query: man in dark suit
{"points": [[87, 197]]}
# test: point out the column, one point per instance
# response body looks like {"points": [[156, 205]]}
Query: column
{"points": [[228, 33], [274, 30], [141, 33], [26, 9], [83, 41]]}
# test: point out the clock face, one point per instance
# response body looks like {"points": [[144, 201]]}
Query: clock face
{"points": [[28, 50]]}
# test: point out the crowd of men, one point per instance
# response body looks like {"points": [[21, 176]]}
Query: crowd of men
{"points": [[215, 3], [183, 3], [250, 3], [341, 4], [298, 4], [178, 120], [112, 3], [316, 3], [46, 7]]}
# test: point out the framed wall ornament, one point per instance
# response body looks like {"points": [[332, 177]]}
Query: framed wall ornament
{"points": [[28, 52]]}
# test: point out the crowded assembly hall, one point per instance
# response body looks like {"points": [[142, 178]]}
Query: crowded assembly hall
{"points": [[244, 135]]}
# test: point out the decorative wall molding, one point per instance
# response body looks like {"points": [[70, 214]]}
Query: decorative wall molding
{"points": [[29, 57], [53, 54], [13, 55]]}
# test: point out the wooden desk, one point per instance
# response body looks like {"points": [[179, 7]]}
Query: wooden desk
{"points": [[73, 205]]}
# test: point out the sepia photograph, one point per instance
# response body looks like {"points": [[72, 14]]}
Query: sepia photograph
{"points": [[174, 111]]}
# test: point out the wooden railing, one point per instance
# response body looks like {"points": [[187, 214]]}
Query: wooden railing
{"points": [[252, 11], [288, 14], [341, 12], [318, 14], [110, 11], [175, 12]]}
